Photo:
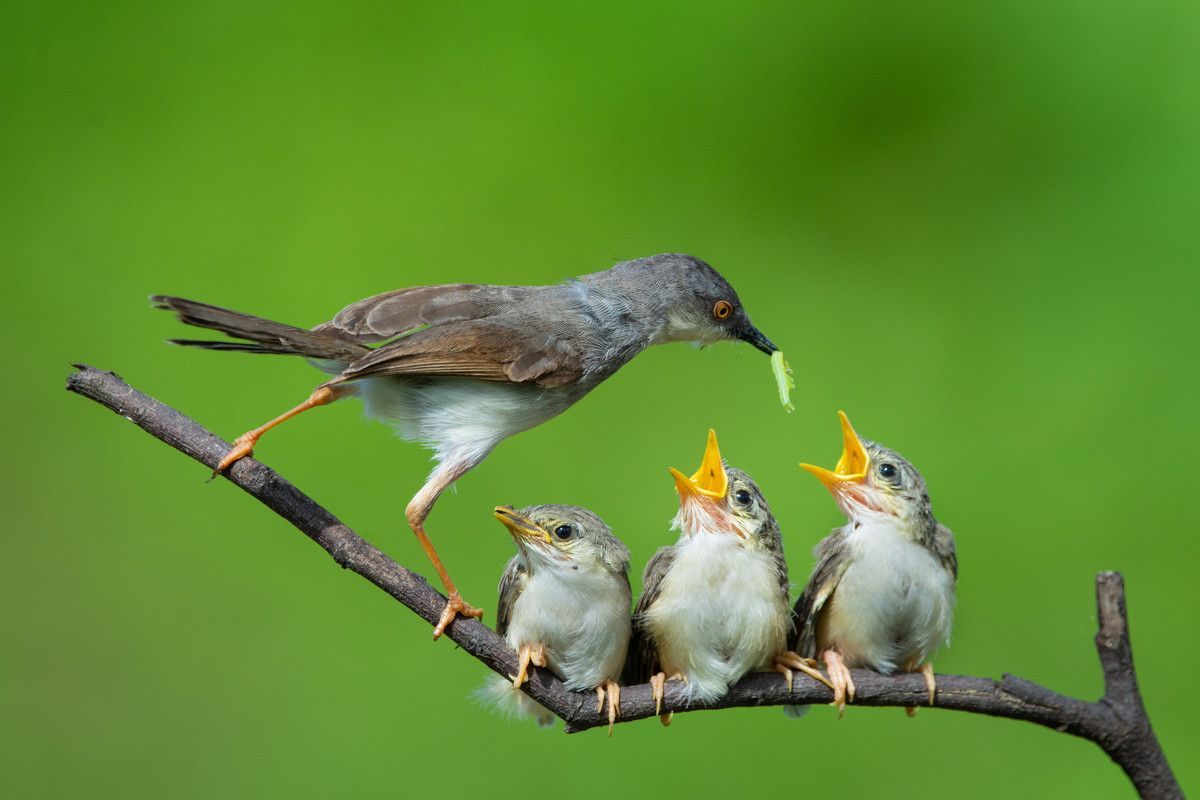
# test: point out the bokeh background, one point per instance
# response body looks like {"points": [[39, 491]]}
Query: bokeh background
{"points": [[971, 226]]}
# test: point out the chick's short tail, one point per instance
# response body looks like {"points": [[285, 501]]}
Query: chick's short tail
{"points": [[259, 335], [499, 695]]}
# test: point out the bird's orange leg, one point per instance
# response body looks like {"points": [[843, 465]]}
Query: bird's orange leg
{"points": [[930, 683], [535, 654], [787, 661], [843, 684], [658, 688], [244, 444], [614, 702], [416, 512]]}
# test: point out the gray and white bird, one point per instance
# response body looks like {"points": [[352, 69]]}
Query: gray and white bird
{"points": [[462, 367], [714, 605], [564, 605], [882, 593]]}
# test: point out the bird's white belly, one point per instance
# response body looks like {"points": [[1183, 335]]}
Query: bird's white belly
{"points": [[583, 621], [893, 606], [459, 418], [720, 614]]}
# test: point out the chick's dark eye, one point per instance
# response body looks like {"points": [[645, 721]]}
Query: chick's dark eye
{"points": [[742, 496], [564, 532], [887, 470]]}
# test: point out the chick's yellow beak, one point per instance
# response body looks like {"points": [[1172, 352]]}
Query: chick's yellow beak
{"points": [[519, 525], [708, 481], [852, 467]]}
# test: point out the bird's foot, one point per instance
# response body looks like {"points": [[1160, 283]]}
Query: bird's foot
{"points": [[843, 684], [658, 688], [787, 661], [530, 653], [930, 684], [613, 689], [454, 607], [242, 446]]}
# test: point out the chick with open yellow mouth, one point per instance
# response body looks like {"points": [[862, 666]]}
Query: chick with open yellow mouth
{"points": [[714, 605], [882, 593], [564, 605]]}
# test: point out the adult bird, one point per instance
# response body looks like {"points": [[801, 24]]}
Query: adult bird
{"points": [[462, 367], [714, 605], [564, 605], [882, 593]]}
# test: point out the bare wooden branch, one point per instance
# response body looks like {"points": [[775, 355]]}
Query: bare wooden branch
{"points": [[1117, 722]]}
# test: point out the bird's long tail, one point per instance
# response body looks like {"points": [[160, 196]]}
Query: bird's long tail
{"points": [[259, 335], [500, 696]]}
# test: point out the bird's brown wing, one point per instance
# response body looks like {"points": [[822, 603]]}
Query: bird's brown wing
{"points": [[642, 661], [512, 583], [391, 314], [485, 349], [832, 560]]}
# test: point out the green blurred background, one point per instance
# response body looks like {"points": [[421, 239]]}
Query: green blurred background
{"points": [[973, 228]]}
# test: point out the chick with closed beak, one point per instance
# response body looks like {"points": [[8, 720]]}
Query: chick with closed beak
{"points": [[564, 605]]}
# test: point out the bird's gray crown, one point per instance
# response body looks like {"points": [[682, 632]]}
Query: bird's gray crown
{"points": [[676, 297]]}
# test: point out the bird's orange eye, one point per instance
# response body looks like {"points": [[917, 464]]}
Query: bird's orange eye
{"points": [[722, 309]]}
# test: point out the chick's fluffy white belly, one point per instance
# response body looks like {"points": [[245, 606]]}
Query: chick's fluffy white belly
{"points": [[460, 418], [893, 606], [583, 620], [720, 613]]}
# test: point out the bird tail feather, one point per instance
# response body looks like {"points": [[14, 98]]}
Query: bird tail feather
{"points": [[795, 712], [260, 335], [499, 695]]}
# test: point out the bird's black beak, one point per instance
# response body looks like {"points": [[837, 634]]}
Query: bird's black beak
{"points": [[751, 334]]}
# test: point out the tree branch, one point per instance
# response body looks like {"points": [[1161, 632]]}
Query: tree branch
{"points": [[1117, 722]]}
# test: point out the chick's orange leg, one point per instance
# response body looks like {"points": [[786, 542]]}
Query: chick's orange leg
{"points": [[244, 444], [613, 690], [787, 661], [658, 688], [530, 653], [843, 684], [926, 671]]}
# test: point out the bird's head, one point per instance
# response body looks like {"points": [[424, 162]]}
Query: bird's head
{"points": [[721, 499], [870, 479], [565, 538], [693, 301]]}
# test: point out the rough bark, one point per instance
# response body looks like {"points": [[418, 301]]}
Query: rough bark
{"points": [[1117, 722]]}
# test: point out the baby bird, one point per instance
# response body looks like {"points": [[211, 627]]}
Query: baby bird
{"points": [[564, 604], [714, 605], [882, 593]]}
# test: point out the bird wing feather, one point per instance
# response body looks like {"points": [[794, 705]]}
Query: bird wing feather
{"points": [[943, 547], [512, 583], [642, 661], [485, 349], [831, 565], [384, 316]]}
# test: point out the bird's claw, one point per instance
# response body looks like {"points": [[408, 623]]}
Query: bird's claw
{"points": [[242, 446], [843, 684], [613, 690], [926, 671], [787, 661], [455, 606], [530, 653], [658, 688]]}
